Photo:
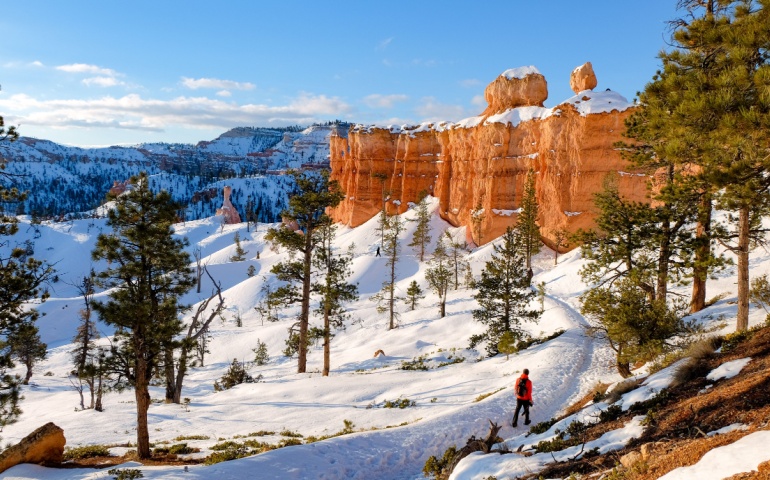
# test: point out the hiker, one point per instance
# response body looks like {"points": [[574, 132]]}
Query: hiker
{"points": [[378, 251], [523, 389]]}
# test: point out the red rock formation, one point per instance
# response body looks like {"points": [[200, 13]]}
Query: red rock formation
{"points": [[227, 210], [44, 446], [479, 165], [583, 78]]}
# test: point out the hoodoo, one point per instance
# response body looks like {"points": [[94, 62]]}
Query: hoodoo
{"points": [[477, 167]]}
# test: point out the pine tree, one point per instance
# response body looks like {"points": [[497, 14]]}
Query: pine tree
{"points": [[20, 279], [333, 288], [636, 328], [413, 295], [504, 294], [421, 237], [439, 274], [526, 223], [27, 348], [456, 251], [147, 270], [706, 112], [391, 249], [240, 253], [315, 193]]}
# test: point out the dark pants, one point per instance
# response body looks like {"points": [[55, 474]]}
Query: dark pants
{"points": [[519, 404]]}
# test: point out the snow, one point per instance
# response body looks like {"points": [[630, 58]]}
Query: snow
{"points": [[388, 443], [744, 455], [590, 102], [728, 369], [730, 428], [514, 116], [520, 72]]}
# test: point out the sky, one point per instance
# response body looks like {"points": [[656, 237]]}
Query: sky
{"points": [[108, 73]]}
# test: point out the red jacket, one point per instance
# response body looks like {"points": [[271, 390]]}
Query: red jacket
{"points": [[528, 396]]}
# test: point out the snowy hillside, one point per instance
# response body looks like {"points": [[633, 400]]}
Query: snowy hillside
{"points": [[453, 399], [66, 180]]}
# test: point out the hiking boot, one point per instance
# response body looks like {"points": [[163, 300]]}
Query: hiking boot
{"points": [[527, 422], [514, 425]]}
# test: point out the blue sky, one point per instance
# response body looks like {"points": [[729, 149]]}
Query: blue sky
{"points": [[104, 72]]}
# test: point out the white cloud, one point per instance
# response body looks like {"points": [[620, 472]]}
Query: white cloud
{"points": [[137, 113], [470, 82], [196, 83], [479, 101], [86, 68], [377, 100], [224, 93], [384, 44], [102, 82], [431, 110], [37, 63]]}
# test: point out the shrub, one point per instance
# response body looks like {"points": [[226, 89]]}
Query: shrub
{"points": [[191, 437], [414, 364], [182, 449], [260, 353], [125, 473], [622, 388], [434, 467], [227, 454], [613, 412], [289, 433], [732, 340], [88, 451], [451, 360], [542, 427], [483, 395], [235, 375], [400, 403]]}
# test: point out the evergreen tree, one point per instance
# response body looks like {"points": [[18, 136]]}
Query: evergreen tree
{"points": [[456, 251], [439, 274], [413, 295], [147, 270], [240, 253], [526, 223], [504, 294], [20, 279], [85, 355], [27, 348], [421, 237], [315, 193], [636, 328], [333, 288], [387, 297], [707, 113]]}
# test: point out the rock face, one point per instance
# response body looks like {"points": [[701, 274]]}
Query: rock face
{"points": [[227, 210], [583, 78], [477, 167], [44, 446], [517, 87]]}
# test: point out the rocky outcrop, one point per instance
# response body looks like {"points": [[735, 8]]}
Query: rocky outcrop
{"points": [[477, 167], [517, 87], [583, 78], [227, 210], [44, 446]]}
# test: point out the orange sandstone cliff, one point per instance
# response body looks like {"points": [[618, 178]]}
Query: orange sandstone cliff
{"points": [[477, 167]]}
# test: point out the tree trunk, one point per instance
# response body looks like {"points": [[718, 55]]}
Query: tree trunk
{"points": [[170, 373], [702, 254], [180, 376], [327, 343], [443, 308], [624, 369], [28, 375], [664, 258], [304, 318], [743, 269], [142, 395]]}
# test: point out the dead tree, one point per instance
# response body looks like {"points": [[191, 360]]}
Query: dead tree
{"points": [[475, 445], [199, 324]]}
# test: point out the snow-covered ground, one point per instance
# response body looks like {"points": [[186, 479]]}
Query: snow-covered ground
{"points": [[388, 443]]}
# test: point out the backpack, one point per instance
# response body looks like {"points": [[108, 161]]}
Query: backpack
{"points": [[521, 388]]}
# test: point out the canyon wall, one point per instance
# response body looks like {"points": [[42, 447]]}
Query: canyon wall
{"points": [[477, 167]]}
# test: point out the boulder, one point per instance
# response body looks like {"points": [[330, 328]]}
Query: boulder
{"points": [[517, 87], [227, 210], [44, 446], [630, 459], [583, 78]]}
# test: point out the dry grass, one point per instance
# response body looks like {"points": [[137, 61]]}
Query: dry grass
{"points": [[623, 387], [599, 387]]}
